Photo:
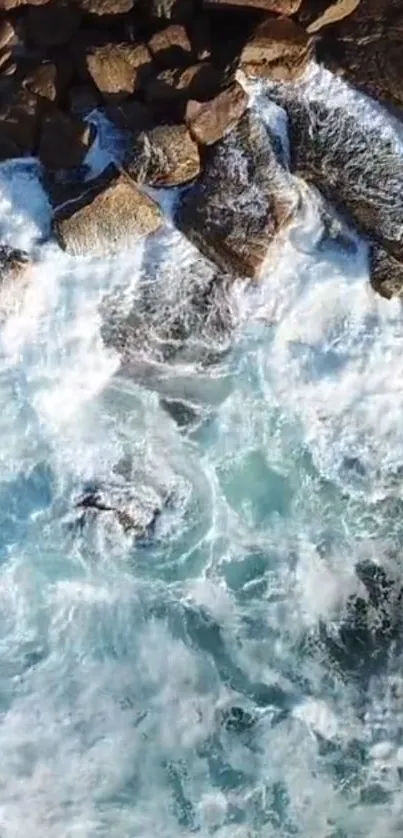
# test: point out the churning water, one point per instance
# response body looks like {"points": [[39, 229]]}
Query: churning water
{"points": [[187, 683]]}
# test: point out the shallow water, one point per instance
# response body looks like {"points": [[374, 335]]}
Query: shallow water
{"points": [[121, 663]]}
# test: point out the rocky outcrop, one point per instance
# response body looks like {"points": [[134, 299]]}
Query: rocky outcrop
{"points": [[356, 167], [278, 49], [210, 121], [240, 203], [165, 156], [111, 214]]}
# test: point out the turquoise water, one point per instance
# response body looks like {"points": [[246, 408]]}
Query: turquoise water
{"points": [[188, 682]]}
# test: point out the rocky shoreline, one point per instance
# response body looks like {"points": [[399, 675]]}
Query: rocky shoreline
{"points": [[168, 73]]}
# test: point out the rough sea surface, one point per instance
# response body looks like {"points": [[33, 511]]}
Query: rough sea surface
{"points": [[181, 684]]}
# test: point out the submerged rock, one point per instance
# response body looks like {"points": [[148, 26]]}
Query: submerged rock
{"points": [[111, 213], [356, 167], [15, 267], [135, 512], [240, 203]]}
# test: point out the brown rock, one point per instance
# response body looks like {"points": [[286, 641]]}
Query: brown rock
{"points": [[6, 57], [110, 215], [177, 11], [165, 156], [171, 47], [332, 13], [6, 33], [105, 7], [169, 92], [386, 273], [281, 7], [209, 121], [19, 121], [279, 49], [43, 81], [119, 69], [64, 141], [52, 24], [243, 198], [7, 5]]}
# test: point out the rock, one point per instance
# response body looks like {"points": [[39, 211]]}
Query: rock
{"points": [[241, 201], [64, 141], [19, 122], [119, 69], [332, 13], [48, 80], [386, 273], [169, 92], [8, 5], [209, 121], [110, 215], [177, 11], [281, 7], [165, 156], [7, 33], [237, 720], [130, 115], [52, 24], [171, 47], [83, 98], [279, 49], [15, 267], [136, 512], [355, 165], [105, 7]]}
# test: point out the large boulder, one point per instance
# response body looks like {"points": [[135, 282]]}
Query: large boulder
{"points": [[279, 49], [119, 70], [210, 121], [354, 164], [242, 200], [112, 213], [164, 156]]}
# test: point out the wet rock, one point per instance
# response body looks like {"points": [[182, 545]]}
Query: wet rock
{"points": [[119, 70], [48, 80], [20, 114], [210, 121], [237, 720], [7, 33], [15, 267], [52, 24], [83, 98], [111, 214], [386, 273], [332, 11], [241, 201], [165, 156], [354, 165], [282, 7], [136, 512], [171, 47], [64, 141], [279, 49]]}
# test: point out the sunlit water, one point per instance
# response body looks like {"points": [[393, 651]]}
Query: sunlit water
{"points": [[120, 661]]}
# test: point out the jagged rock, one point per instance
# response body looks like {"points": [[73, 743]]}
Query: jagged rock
{"points": [[165, 156], [64, 141], [19, 122], [209, 121], [110, 215], [171, 47], [386, 273], [243, 198], [281, 7], [52, 24], [15, 267], [105, 7], [136, 512], [279, 49], [119, 69], [354, 165]]}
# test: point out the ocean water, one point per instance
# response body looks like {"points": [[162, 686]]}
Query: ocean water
{"points": [[187, 682]]}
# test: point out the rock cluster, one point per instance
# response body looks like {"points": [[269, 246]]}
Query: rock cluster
{"points": [[164, 71]]}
